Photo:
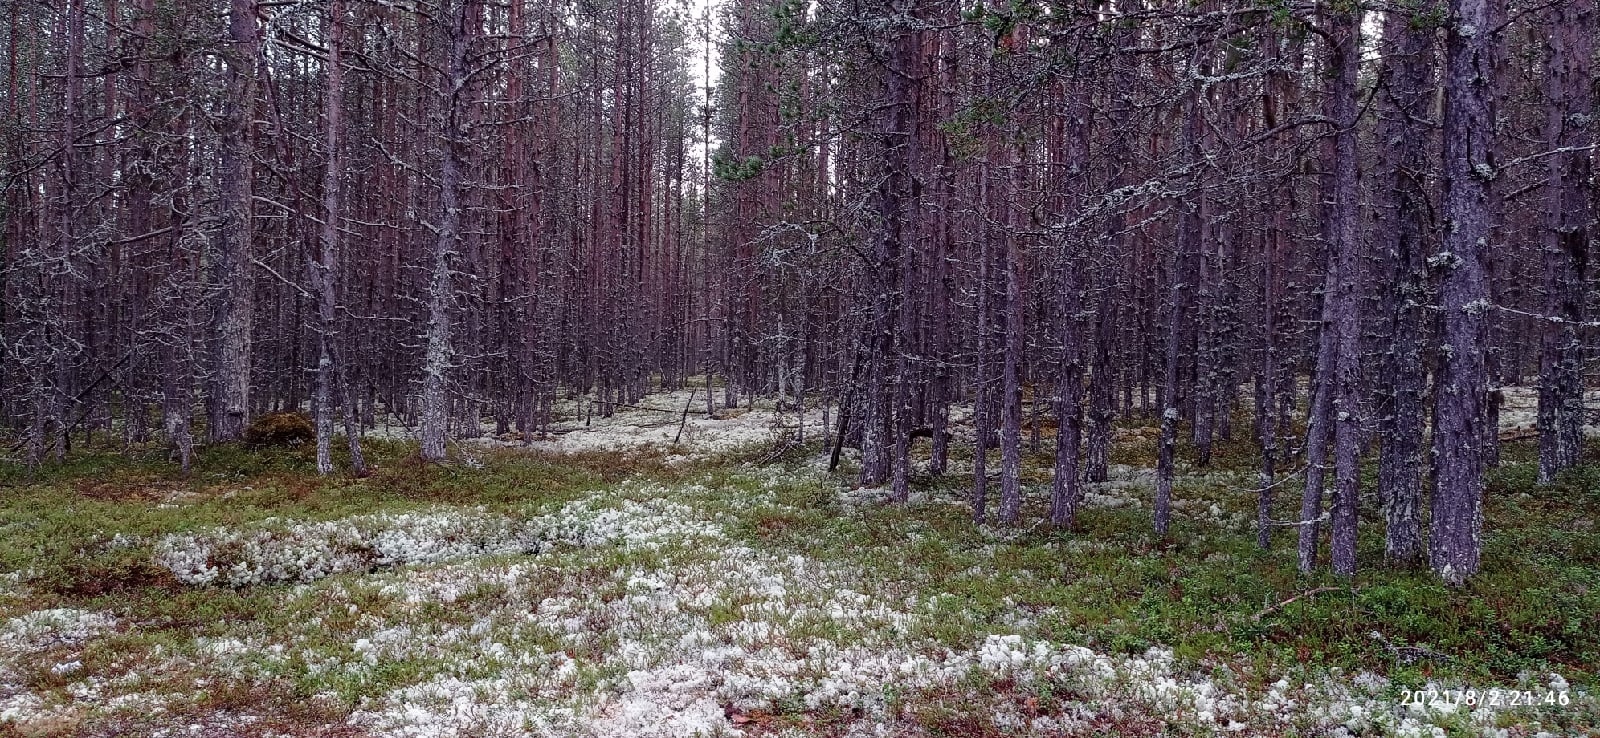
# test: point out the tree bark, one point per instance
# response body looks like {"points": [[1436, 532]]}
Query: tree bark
{"points": [[889, 202], [325, 273], [1461, 384], [1343, 293], [233, 265], [1403, 134], [441, 291], [1569, 130], [1178, 290]]}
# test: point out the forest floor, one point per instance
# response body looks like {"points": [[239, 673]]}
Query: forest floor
{"points": [[731, 586]]}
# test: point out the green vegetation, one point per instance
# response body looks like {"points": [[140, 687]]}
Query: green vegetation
{"points": [[79, 535]]}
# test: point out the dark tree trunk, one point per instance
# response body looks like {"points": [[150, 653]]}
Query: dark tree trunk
{"points": [[889, 201], [233, 265], [1318, 415], [1011, 389], [1569, 217], [983, 399], [1461, 385], [1178, 290], [441, 292], [1343, 293], [1402, 226]]}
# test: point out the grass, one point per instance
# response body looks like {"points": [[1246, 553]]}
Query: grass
{"points": [[1112, 585], [1206, 592], [60, 525]]}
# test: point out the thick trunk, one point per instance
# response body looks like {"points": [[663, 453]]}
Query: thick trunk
{"points": [[889, 200], [233, 267], [1402, 208], [1344, 290], [139, 217], [1068, 182], [436, 367], [1569, 218], [1461, 384]]}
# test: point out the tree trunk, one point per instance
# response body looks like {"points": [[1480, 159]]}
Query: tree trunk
{"points": [[325, 273], [441, 292], [233, 265], [983, 399], [1344, 292], [1066, 489], [1178, 289], [1569, 216], [1402, 207], [889, 201], [1461, 385], [1011, 389]]}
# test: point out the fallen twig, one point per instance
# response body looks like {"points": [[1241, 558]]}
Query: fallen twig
{"points": [[683, 421], [778, 450], [1308, 593]]}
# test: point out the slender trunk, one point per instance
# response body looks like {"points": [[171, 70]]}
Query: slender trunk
{"points": [[1203, 390], [1011, 390], [1178, 289], [1101, 412], [982, 421], [1318, 415], [1107, 311], [325, 273], [1267, 377], [1322, 419]]}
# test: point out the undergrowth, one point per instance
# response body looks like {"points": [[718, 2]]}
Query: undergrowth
{"points": [[69, 536]]}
